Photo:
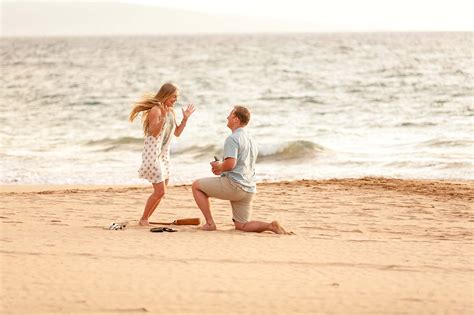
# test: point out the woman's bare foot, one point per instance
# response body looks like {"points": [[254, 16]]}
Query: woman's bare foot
{"points": [[275, 227], [208, 227], [143, 222]]}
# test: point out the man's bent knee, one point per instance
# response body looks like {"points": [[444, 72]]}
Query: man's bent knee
{"points": [[195, 185]]}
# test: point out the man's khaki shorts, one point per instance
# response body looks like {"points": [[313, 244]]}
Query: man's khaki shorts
{"points": [[224, 188]]}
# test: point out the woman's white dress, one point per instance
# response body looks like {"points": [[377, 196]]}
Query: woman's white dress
{"points": [[156, 153]]}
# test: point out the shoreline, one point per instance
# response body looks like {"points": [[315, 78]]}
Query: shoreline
{"points": [[21, 188]]}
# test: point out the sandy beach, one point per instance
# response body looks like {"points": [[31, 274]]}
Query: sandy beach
{"points": [[362, 246]]}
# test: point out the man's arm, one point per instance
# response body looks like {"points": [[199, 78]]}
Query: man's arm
{"points": [[225, 166], [231, 152]]}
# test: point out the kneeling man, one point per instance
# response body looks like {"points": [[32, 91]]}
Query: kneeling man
{"points": [[236, 178]]}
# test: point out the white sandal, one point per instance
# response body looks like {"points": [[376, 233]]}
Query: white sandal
{"points": [[117, 226]]}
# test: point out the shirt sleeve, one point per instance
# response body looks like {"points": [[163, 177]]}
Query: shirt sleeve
{"points": [[231, 148]]}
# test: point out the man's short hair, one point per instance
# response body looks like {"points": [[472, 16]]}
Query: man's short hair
{"points": [[243, 114]]}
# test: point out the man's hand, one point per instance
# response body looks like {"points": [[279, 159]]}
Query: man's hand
{"points": [[227, 165], [216, 167]]}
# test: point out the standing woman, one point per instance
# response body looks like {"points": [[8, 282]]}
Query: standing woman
{"points": [[159, 124]]}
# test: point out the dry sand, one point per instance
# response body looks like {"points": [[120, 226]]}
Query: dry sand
{"points": [[362, 246]]}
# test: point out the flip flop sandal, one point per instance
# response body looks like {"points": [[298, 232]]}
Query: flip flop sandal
{"points": [[167, 229], [162, 229], [156, 230]]}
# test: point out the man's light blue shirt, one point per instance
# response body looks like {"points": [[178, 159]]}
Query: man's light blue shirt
{"points": [[240, 146]]}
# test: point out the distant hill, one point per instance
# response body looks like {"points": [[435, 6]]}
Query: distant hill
{"points": [[96, 18]]}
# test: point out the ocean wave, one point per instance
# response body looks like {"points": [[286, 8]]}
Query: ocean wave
{"points": [[431, 164], [291, 150], [302, 99], [117, 141], [439, 143], [416, 124], [133, 143], [108, 144], [196, 151], [343, 48], [92, 103]]}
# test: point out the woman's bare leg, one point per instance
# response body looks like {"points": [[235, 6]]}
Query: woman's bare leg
{"points": [[158, 202], [154, 199]]}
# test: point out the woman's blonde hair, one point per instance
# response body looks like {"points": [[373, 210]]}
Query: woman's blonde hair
{"points": [[149, 101]]}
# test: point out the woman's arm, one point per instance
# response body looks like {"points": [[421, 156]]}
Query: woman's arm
{"points": [[155, 121], [186, 114]]}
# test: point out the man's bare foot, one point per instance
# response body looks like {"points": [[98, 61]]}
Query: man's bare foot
{"points": [[208, 227], [275, 227], [143, 222]]}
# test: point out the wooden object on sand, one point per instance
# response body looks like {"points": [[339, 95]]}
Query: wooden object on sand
{"points": [[187, 221]]}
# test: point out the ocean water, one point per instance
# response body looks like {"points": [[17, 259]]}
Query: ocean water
{"points": [[324, 105]]}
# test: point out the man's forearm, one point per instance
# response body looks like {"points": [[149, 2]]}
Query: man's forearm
{"points": [[228, 164]]}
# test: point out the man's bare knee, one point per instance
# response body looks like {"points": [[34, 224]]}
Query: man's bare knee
{"points": [[195, 185], [197, 188]]}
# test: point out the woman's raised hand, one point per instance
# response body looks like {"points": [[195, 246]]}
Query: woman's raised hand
{"points": [[188, 111]]}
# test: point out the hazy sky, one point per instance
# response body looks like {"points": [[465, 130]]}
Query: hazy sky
{"points": [[314, 15], [429, 14]]}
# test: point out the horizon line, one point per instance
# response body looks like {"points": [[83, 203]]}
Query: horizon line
{"points": [[185, 34]]}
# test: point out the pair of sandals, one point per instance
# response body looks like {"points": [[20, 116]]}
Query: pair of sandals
{"points": [[162, 229]]}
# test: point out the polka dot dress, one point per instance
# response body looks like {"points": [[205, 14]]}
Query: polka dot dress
{"points": [[156, 153]]}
